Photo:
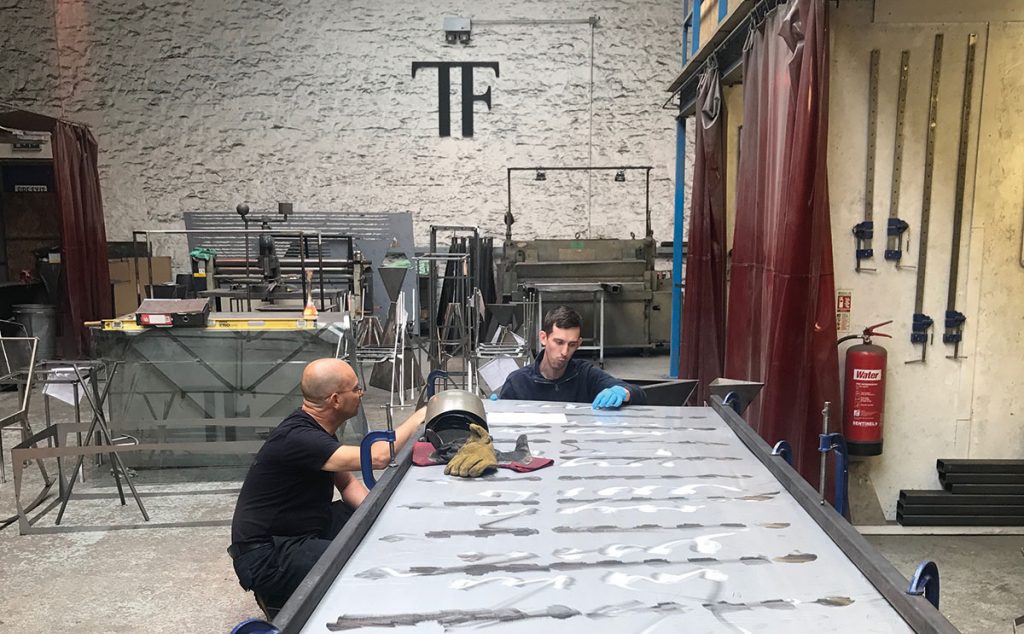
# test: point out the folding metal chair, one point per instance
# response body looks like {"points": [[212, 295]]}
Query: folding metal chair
{"points": [[17, 367]]}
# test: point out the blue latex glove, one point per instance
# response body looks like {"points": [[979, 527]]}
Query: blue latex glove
{"points": [[611, 398], [494, 396]]}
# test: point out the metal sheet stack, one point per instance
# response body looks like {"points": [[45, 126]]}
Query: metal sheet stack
{"points": [[975, 493]]}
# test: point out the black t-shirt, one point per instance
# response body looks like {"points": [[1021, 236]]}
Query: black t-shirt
{"points": [[285, 492]]}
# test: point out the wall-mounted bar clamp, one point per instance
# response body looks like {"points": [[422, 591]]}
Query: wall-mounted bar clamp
{"points": [[864, 231], [922, 323], [895, 229], [954, 331], [955, 319]]}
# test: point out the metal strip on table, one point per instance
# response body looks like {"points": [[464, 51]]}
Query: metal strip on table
{"points": [[654, 519]]}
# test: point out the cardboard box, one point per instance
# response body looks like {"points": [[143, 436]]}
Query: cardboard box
{"points": [[125, 298], [122, 280], [123, 270]]}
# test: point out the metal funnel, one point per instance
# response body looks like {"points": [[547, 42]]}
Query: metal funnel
{"points": [[392, 277], [676, 392], [502, 313], [369, 333], [744, 392]]}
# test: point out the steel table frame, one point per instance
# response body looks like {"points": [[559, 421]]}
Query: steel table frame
{"points": [[918, 613], [30, 450], [186, 339]]}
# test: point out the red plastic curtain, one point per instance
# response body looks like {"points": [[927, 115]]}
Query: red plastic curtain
{"points": [[781, 321], [702, 340], [83, 233]]}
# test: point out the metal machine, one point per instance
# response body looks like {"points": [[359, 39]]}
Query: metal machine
{"points": [[315, 264], [586, 273], [346, 262], [605, 280]]}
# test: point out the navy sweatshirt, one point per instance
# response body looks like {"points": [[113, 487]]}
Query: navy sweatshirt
{"points": [[581, 383]]}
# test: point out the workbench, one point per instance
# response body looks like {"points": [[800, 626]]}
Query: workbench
{"points": [[232, 379], [652, 519]]}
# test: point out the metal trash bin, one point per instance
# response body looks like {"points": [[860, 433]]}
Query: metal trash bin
{"points": [[39, 320]]}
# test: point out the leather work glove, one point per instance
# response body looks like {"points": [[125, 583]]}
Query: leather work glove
{"points": [[475, 457], [443, 451], [611, 398], [521, 454]]}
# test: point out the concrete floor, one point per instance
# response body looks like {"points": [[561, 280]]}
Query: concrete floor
{"points": [[981, 577], [161, 577]]}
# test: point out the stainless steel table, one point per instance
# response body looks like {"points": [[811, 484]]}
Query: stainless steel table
{"points": [[231, 380], [652, 519]]}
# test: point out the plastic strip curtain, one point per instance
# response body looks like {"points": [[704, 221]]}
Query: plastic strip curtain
{"points": [[83, 233], [781, 322], [702, 340]]}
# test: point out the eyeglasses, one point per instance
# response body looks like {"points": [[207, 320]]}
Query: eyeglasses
{"points": [[358, 389]]}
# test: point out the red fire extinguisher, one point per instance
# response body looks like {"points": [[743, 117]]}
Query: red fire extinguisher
{"points": [[864, 393]]}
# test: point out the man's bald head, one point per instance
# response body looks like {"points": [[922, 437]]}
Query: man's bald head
{"points": [[323, 377]]}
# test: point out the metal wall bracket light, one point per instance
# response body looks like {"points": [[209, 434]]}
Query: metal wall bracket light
{"points": [[620, 176], [541, 176], [457, 30]]}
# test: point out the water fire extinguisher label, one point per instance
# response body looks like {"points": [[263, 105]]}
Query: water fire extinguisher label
{"points": [[844, 306], [871, 376], [865, 394], [867, 397]]}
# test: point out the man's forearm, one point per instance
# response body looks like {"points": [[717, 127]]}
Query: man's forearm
{"points": [[408, 428], [637, 396], [381, 452], [352, 490]]}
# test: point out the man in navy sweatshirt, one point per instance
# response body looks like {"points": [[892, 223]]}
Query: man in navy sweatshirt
{"points": [[556, 376]]}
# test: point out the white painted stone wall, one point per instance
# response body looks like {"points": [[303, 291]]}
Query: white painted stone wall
{"points": [[199, 106], [942, 408], [28, 55]]}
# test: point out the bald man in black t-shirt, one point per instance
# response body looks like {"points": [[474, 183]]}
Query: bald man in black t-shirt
{"points": [[285, 517]]}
